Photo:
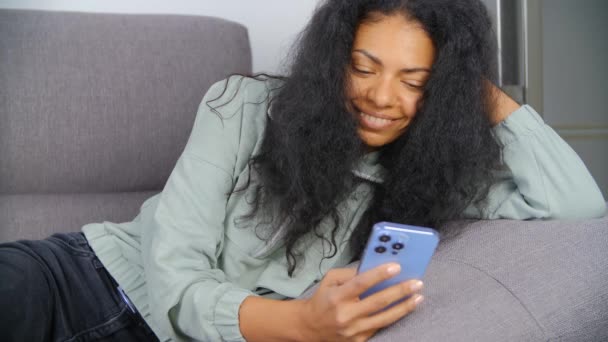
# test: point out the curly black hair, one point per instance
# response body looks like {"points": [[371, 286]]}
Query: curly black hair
{"points": [[442, 164]]}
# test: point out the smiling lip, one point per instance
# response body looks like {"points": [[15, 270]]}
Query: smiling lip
{"points": [[375, 121]]}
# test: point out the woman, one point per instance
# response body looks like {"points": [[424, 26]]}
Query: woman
{"points": [[388, 113]]}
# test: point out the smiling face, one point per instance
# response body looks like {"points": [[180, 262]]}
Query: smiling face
{"points": [[391, 63]]}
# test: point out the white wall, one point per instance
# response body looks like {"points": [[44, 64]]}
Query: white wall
{"points": [[272, 24]]}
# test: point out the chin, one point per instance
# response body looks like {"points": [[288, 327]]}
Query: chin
{"points": [[373, 141]]}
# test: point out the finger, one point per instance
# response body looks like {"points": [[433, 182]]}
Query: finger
{"points": [[390, 315], [368, 334], [384, 298], [339, 276], [364, 281]]}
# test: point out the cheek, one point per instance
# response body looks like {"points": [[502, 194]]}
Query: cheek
{"points": [[355, 89], [409, 104]]}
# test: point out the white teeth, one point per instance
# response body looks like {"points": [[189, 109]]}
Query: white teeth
{"points": [[375, 119]]}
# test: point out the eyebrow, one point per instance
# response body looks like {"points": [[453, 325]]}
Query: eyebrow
{"points": [[376, 60]]}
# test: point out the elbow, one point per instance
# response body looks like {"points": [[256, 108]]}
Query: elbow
{"points": [[590, 206], [598, 209], [596, 205]]}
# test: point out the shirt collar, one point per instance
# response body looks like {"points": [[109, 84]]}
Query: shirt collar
{"points": [[369, 169]]}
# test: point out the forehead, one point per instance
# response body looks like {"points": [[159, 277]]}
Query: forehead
{"points": [[396, 40]]}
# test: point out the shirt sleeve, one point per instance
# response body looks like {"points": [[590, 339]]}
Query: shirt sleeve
{"points": [[189, 295], [544, 177]]}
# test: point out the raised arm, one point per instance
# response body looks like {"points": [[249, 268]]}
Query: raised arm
{"points": [[544, 177]]}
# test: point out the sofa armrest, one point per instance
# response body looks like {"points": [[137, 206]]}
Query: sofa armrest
{"points": [[513, 281]]}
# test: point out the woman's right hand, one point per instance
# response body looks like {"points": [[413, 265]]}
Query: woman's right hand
{"points": [[335, 312]]}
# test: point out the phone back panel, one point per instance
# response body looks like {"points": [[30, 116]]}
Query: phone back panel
{"points": [[417, 247]]}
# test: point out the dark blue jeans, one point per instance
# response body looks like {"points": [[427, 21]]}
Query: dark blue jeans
{"points": [[57, 290]]}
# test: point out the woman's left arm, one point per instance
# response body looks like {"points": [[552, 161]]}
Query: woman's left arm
{"points": [[544, 177]]}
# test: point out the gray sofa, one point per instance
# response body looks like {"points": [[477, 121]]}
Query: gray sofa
{"points": [[95, 109]]}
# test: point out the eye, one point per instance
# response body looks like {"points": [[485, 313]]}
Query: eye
{"points": [[362, 71], [412, 85]]}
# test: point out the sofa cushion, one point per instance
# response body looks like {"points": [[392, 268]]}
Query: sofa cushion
{"points": [[104, 102], [38, 216]]}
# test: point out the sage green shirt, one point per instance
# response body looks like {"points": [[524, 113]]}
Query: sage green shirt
{"points": [[187, 261]]}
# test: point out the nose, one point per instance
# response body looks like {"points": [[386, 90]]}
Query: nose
{"points": [[381, 93]]}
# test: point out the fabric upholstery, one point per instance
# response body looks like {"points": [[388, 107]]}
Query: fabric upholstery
{"points": [[39, 216], [104, 102]]}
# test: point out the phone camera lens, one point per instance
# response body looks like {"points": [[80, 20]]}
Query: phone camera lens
{"points": [[398, 246], [380, 249], [385, 238]]}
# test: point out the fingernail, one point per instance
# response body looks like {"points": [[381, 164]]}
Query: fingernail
{"points": [[394, 269], [418, 299], [417, 285]]}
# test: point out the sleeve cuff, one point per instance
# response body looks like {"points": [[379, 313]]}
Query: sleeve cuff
{"points": [[524, 121], [226, 318]]}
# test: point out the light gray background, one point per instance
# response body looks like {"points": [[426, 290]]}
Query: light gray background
{"points": [[575, 76]]}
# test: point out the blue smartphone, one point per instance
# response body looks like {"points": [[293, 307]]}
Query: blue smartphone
{"points": [[410, 246]]}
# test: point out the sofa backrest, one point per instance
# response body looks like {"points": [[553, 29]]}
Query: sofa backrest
{"points": [[104, 102]]}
